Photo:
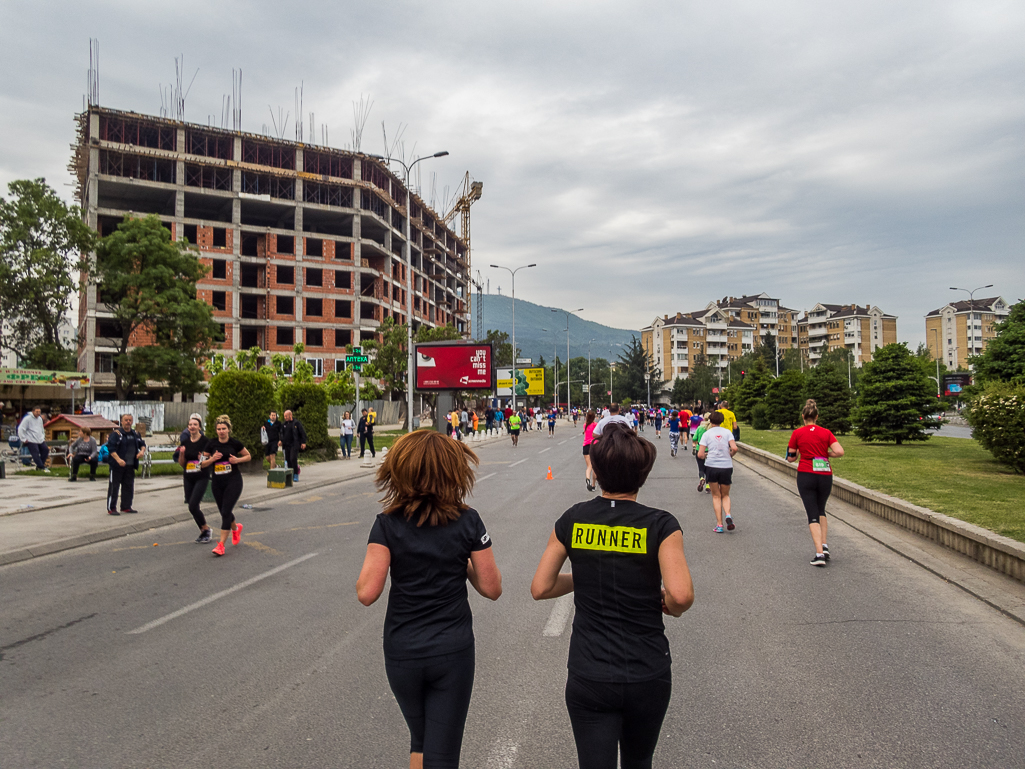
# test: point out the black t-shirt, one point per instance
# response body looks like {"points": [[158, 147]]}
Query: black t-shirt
{"points": [[192, 450], [618, 635], [222, 469], [428, 611]]}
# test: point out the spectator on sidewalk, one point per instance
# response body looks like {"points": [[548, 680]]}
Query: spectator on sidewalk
{"points": [[293, 440], [83, 450], [365, 432], [272, 429], [125, 448], [33, 437], [348, 430]]}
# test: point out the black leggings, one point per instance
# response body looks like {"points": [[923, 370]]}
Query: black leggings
{"points": [[195, 488], [434, 696], [814, 489], [607, 716], [226, 494]]}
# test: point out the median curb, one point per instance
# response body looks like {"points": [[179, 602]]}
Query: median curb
{"points": [[997, 552]]}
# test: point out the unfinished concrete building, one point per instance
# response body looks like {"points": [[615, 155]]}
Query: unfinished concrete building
{"points": [[304, 242]]}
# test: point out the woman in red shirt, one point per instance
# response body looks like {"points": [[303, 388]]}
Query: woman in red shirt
{"points": [[815, 445], [589, 425]]}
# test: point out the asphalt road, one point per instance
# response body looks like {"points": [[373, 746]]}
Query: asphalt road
{"points": [[129, 655]]}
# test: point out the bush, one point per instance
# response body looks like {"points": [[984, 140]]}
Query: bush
{"points": [[760, 416], [246, 397], [997, 417], [308, 403], [784, 399]]}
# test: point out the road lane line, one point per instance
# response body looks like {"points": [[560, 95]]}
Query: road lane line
{"points": [[220, 595], [542, 451], [562, 442], [518, 463], [486, 477], [559, 617]]}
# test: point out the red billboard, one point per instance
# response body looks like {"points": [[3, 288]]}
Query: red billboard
{"points": [[448, 366]]}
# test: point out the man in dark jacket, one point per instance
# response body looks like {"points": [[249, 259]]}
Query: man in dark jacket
{"points": [[273, 428], [365, 431], [293, 440], [125, 448]]}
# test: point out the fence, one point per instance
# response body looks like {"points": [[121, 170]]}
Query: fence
{"points": [[387, 412]]}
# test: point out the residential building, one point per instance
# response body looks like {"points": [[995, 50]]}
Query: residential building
{"points": [[961, 329], [304, 243], [862, 330], [677, 343]]}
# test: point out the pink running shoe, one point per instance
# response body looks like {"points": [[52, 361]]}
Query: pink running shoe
{"points": [[219, 550], [236, 535]]}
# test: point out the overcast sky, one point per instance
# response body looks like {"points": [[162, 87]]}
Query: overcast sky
{"points": [[649, 157]]}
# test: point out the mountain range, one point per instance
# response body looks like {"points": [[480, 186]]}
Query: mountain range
{"points": [[534, 341]]}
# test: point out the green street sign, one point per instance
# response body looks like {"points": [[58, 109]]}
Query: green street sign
{"points": [[357, 359]]}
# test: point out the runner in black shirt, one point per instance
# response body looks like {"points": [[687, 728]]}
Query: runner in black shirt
{"points": [[195, 477], [224, 454], [432, 543], [622, 553]]}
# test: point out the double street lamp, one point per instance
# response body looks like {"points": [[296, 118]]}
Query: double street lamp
{"points": [[513, 272], [971, 314], [409, 281], [568, 313]]}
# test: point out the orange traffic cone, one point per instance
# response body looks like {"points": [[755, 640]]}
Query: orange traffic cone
{"points": [[549, 476]]}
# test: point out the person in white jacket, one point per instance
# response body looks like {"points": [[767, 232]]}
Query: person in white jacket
{"points": [[32, 437]]}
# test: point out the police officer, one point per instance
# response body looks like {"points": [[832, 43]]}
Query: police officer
{"points": [[125, 448]]}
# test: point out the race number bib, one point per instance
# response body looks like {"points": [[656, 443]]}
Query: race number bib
{"points": [[192, 467], [820, 465], [222, 468]]}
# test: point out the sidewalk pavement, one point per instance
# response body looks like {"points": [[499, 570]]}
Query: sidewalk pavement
{"points": [[41, 515]]}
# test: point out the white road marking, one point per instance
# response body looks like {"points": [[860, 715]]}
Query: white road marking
{"points": [[502, 755], [559, 617], [489, 475], [562, 442], [518, 463], [218, 596], [542, 451]]}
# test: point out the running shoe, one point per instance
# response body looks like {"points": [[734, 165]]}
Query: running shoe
{"points": [[825, 552], [708, 489], [729, 524], [718, 529], [204, 537], [113, 512], [701, 485], [236, 535], [818, 560], [219, 549]]}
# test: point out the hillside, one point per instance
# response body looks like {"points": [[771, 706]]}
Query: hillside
{"points": [[533, 342]]}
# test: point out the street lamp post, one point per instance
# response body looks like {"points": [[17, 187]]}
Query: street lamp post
{"points": [[409, 282], [589, 374], [936, 335], [647, 381], [971, 314], [555, 367], [568, 374], [612, 368], [513, 274]]}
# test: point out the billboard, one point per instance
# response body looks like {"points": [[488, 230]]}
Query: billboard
{"points": [[23, 376], [453, 366], [530, 381], [954, 384]]}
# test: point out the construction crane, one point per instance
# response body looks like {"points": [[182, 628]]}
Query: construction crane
{"points": [[470, 194]]}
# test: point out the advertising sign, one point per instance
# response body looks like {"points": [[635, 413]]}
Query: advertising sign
{"points": [[954, 384], [529, 381], [357, 359], [453, 366], [34, 377]]}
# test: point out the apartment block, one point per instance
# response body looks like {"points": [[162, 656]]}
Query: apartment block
{"points": [[304, 242], [828, 327], [677, 343], [959, 330]]}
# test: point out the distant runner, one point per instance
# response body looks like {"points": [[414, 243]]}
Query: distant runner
{"points": [[717, 448]]}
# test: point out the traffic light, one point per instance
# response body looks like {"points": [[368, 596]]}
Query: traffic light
{"points": [[742, 373]]}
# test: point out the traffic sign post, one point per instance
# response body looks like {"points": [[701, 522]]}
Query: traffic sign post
{"points": [[357, 359]]}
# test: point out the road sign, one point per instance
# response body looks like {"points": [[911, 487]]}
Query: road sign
{"points": [[357, 360], [525, 361]]}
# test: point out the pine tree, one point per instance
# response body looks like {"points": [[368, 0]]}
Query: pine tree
{"points": [[784, 399], [896, 400], [827, 384], [752, 390]]}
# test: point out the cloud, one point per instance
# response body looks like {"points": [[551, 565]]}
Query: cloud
{"points": [[648, 156]]}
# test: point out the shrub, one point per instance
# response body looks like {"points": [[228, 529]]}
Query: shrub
{"points": [[246, 397], [997, 417], [760, 416], [308, 403]]}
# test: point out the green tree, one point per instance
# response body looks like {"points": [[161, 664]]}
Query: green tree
{"points": [[1003, 360], [896, 399], [42, 247], [632, 365], [703, 379], [784, 399], [501, 347], [997, 417], [148, 282], [683, 391], [246, 397], [827, 384], [752, 390]]}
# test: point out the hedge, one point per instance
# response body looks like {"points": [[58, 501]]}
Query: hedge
{"points": [[308, 403], [247, 397]]}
